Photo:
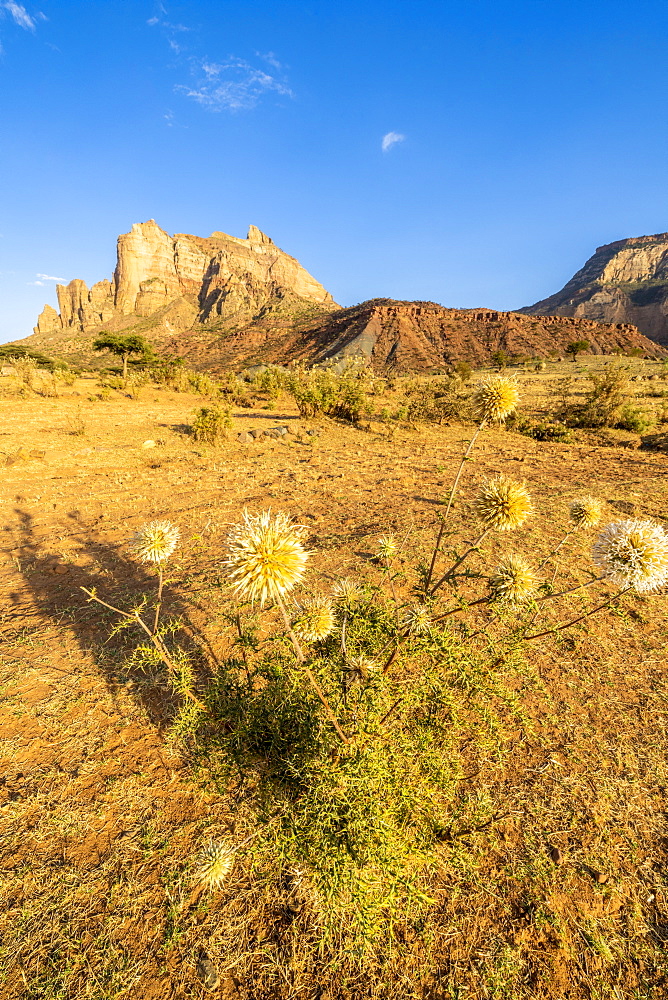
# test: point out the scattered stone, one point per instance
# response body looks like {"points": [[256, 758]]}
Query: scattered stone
{"points": [[556, 855], [148, 444], [245, 437], [255, 433], [206, 972], [35, 453]]}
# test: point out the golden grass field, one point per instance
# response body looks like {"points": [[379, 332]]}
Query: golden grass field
{"points": [[550, 881]]}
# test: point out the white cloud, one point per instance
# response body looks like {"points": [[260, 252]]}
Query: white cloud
{"points": [[35, 282], [390, 139], [20, 14], [153, 20], [49, 277], [270, 58], [233, 86]]}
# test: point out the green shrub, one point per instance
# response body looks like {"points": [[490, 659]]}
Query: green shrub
{"points": [[632, 418], [211, 424], [323, 391], [603, 404], [546, 430], [431, 401]]}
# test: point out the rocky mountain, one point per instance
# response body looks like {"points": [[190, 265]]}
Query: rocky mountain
{"points": [[220, 301], [623, 282], [410, 336], [168, 284]]}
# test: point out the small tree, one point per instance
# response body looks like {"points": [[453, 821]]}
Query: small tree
{"points": [[576, 346], [123, 346]]}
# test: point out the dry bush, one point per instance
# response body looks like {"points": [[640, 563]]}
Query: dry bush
{"points": [[323, 391], [211, 423]]}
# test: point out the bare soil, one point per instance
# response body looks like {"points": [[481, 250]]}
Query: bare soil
{"points": [[563, 895]]}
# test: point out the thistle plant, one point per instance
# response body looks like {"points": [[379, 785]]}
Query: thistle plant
{"points": [[265, 557], [494, 400], [387, 548], [347, 592], [585, 512], [633, 554], [502, 504], [265, 560], [513, 580], [214, 864], [315, 619], [417, 619], [357, 670], [155, 543]]}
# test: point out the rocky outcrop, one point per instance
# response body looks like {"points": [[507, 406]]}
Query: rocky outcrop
{"points": [[411, 336], [623, 282], [180, 281]]}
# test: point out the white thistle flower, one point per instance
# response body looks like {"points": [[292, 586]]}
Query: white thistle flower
{"points": [[315, 619], [347, 591], [417, 619], [265, 556], [633, 554], [513, 580], [387, 547], [156, 541], [213, 864]]}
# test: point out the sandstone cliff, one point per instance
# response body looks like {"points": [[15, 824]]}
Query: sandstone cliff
{"points": [[623, 282], [410, 336], [172, 283]]}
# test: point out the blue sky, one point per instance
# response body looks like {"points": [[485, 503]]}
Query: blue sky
{"points": [[472, 153]]}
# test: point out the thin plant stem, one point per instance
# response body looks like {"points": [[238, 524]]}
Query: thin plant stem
{"points": [[155, 639], [574, 621], [461, 559], [571, 590], [554, 551], [158, 602], [444, 518], [301, 659]]}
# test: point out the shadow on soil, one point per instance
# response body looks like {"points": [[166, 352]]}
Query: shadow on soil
{"points": [[55, 588]]}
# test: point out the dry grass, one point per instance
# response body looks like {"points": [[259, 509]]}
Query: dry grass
{"points": [[550, 879]]}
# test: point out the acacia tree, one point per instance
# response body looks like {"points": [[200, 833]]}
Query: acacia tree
{"points": [[123, 346], [576, 346]]}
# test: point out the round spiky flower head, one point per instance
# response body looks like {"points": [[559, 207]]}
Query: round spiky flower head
{"points": [[315, 620], [586, 512], [347, 591], [633, 554], [156, 541], [387, 547], [503, 504], [416, 619], [495, 398], [513, 580], [265, 556], [213, 864], [358, 669]]}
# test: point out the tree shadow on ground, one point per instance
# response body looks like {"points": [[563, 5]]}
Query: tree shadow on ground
{"points": [[55, 587]]}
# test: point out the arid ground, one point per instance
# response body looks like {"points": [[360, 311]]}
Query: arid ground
{"points": [[551, 880]]}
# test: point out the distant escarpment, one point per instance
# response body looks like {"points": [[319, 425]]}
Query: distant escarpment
{"points": [[623, 282], [169, 284], [410, 336], [225, 302]]}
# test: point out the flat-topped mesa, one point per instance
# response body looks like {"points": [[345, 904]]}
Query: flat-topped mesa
{"points": [[623, 282], [184, 280]]}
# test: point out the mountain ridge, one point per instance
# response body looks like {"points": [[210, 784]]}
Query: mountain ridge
{"points": [[625, 281]]}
